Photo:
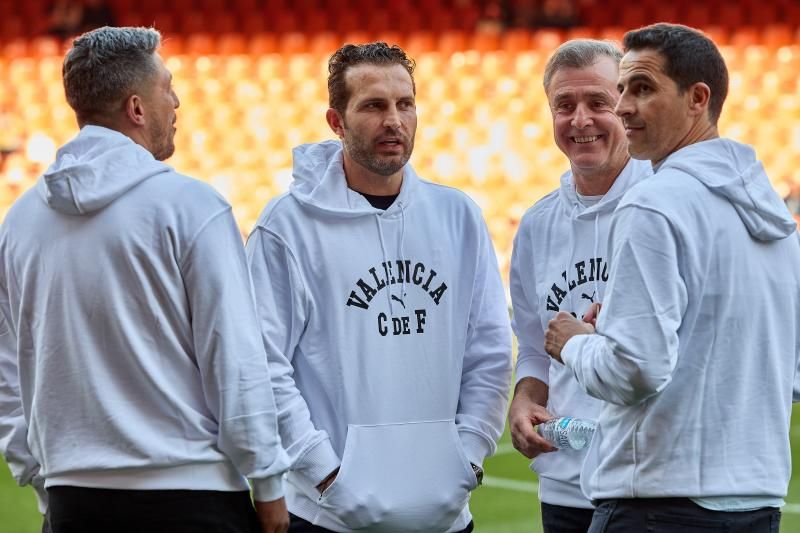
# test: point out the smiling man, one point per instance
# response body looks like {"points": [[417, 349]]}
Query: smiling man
{"points": [[560, 264], [384, 293], [698, 340]]}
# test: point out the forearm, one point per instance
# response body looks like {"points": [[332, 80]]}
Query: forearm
{"points": [[532, 390]]}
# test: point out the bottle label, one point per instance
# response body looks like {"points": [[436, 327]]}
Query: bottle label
{"points": [[565, 422]]}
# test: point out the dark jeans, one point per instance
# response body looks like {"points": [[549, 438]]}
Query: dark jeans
{"points": [[559, 519], [298, 525], [84, 510], [678, 515]]}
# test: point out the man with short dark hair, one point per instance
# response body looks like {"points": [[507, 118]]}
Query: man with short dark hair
{"points": [[698, 339], [547, 276], [384, 295], [133, 379]]}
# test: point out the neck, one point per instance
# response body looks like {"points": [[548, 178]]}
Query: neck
{"points": [[598, 183], [362, 180], [700, 132]]}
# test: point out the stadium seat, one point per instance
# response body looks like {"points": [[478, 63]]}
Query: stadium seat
{"points": [[516, 40], [172, 45], [200, 44], [776, 35], [325, 43], [547, 39], [12, 27], [263, 43], [164, 21], [231, 44], [292, 43]]}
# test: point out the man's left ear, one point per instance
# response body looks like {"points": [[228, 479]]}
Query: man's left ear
{"points": [[699, 97]]}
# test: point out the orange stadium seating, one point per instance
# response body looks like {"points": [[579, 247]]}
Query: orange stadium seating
{"points": [[249, 96]]}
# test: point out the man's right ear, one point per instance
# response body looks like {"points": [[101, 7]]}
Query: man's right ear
{"points": [[134, 110], [335, 121]]}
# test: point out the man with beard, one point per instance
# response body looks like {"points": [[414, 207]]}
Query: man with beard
{"points": [[133, 381], [384, 295]]}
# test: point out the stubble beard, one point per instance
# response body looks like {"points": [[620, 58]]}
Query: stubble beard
{"points": [[361, 152], [162, 142]]}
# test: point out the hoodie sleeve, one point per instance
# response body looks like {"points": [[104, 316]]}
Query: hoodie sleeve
{"points": [[532, 360], [796, 388], [486, 373], [635, 350], [13, 427], [283, 306], [230, 355]]}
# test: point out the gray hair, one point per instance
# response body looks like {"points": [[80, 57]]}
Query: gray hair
{"points": [[579, 53], [105, 66]]}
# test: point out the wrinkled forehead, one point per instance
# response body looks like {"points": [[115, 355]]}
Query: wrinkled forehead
{"points": [[597, 79]]}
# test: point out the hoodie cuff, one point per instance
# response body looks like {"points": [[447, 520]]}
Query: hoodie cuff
{"points": [[571, 351], [268, 489], [534, 366], [318, 462], [42, 501], [476, 447]]}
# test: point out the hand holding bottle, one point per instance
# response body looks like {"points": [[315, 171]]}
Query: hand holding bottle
{"points": [[567, 432]]}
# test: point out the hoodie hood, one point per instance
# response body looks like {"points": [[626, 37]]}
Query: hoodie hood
{"points": [[95, 168], [632, 172], [731, 170], [320, 183]]}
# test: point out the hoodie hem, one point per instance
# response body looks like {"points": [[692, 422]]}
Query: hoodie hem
{"points": [[216, 476], [565, 494], [301, 505]]}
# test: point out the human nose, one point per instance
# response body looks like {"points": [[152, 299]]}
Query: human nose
{"points": [[176, 100], [392, 119], [624, 106], [582, 117]]}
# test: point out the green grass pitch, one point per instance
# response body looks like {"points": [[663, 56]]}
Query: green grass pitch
{"points": [[506, 503]]}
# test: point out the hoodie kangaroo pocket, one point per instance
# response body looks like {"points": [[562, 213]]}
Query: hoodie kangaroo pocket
{"points": [[401, 477]]}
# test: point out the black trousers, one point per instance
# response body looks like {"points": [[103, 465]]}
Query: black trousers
{"points": [[678, 515], [84, 510], [560, 519], [299, 525]]}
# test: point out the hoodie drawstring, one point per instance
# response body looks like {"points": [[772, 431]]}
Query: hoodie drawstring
{"points": [[570, 251], [385, 261], [402, 242], [596, 259], [402, 255]]}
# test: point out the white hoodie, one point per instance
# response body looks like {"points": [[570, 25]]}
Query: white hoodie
{"points": [[699, 336], [560, 264], [130, 356], [396, 343]]}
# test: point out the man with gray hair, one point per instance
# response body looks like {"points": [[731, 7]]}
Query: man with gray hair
{"points": [[133, 379], [696, 348], [560, 264]]}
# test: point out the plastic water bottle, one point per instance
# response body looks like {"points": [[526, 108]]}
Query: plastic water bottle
{"points": [[567, 432]]}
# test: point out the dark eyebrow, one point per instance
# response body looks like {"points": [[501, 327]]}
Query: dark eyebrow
{"points": [[640, 78]]}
